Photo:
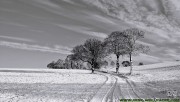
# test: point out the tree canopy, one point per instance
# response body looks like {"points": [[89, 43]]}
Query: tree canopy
{"points": [[91, 52]]}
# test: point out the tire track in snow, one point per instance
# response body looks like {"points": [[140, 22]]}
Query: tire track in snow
{"points": [[104, 91], [135, 95], [100, 87], [110, 96], [141, 90]]}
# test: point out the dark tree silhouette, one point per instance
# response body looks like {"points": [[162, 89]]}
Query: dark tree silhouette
{"points": [[91, 52], [56, 65], [51, 65]]}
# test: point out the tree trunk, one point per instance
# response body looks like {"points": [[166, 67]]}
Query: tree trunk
{"points": [[92, 65], [117, 64], [71, 65], [131, 64], [92, 69]]}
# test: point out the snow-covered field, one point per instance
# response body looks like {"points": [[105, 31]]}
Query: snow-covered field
{"points": [[157, 72], [154, 80], [45, 85], [48, 85], [159, 78]]}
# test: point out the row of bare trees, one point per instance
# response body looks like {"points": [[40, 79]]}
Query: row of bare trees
{"points": [[120, 43], [66, 64], [125, 43]]}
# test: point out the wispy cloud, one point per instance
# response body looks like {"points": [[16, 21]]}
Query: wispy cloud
{"points": [[95, 34], [13, 23], [172, 53], [101, 18], [56, 49], [69, 1], [16, 38], [48, 3], [84, 30]]}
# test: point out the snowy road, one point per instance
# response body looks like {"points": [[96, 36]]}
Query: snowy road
{"points": [[121, 88], [125, 88]]}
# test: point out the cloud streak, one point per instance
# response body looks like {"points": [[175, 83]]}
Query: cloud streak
{"points": [[101, 19], [56, 49], [95, 34], [16, 38], [84, 30]]}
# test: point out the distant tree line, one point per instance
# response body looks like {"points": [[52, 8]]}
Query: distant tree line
{"points": [[93, 51], [66, 64]]}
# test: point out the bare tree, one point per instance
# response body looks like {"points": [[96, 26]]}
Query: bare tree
{"points": [[132, 36], [115, 43], [71, 62], [56, 65], [91, 52]]}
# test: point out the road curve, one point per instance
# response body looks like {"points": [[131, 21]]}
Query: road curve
{"points": [[107, 87], [120, 87]]}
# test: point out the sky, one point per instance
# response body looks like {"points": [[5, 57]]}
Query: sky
{"points": [[33, 33]]}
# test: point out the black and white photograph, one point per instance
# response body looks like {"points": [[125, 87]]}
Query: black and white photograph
{"points": [[89, 50]]}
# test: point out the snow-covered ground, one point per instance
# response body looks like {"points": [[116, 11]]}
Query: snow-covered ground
{"points": [[157, 72], [156, 66], [48, 85], [159, 78], [153, 72], [154, 80]]}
